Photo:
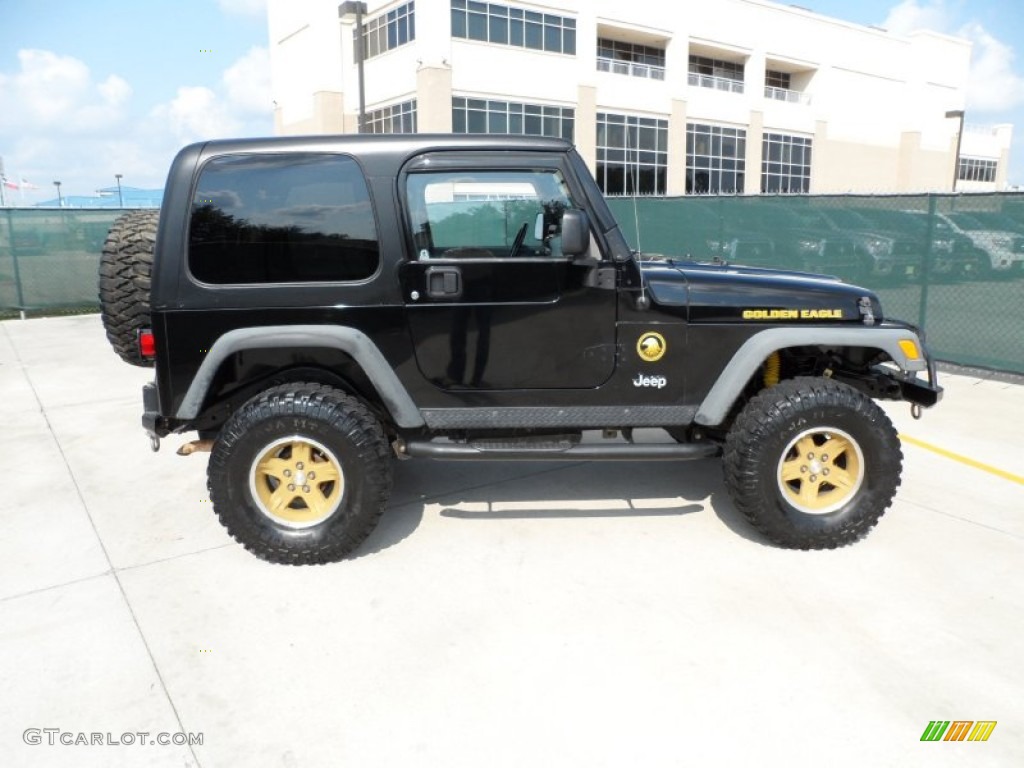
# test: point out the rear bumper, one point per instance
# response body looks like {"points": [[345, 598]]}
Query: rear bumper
{"points": [[154, 425]]}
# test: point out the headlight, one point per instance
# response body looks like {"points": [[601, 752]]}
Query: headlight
{"points": [[878, 247]]}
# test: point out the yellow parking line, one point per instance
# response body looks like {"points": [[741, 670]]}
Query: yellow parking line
{"points": [[964, 459]]}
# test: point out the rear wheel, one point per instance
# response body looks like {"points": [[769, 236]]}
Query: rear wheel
{"points": [[812, 463], [300, 474], [126, 269]]}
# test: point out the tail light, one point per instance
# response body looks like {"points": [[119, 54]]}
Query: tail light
{"points": [[147, 344]]}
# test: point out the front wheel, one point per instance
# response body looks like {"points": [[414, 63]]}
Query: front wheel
{"points": [[300, 474], [812, 463]]}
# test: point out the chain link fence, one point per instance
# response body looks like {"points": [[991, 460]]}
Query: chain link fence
{"points": [[953, 264]]}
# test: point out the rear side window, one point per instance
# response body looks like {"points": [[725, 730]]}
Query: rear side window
{"points": [[282, 218]]}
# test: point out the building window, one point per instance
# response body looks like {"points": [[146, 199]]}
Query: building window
{"points": [[398, 118], [715, 159], [779, 86], [786, 164], [630, 59], [775, 79], [976, 169], [716, 73], [632, 154], [518, 27], [295, 217], [389, 30], [489, 116]]}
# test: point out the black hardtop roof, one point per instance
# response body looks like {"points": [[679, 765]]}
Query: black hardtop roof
{"points": [[403, 144]]}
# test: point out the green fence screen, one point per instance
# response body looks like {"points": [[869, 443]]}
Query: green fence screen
{"points": [[951, 263], [49, 258]]}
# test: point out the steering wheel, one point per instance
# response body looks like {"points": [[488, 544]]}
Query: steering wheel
{"points": [[520, 237]]}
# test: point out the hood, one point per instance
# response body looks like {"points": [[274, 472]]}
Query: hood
{"points": [[728, 293]]}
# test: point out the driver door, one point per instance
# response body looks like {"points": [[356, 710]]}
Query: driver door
{"points": [[490, 300]]}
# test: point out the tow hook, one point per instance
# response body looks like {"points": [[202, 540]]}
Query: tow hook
{"points": [[915, 411], [195, 446], [154, 443]]}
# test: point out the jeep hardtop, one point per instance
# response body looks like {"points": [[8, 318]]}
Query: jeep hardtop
{"points": [[317, 307]]}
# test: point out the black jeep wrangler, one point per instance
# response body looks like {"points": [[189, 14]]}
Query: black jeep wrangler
{"points": [[316, 307]]}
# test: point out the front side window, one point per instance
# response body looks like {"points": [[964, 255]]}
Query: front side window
{"points": [[282, 218], [487, 214], [715, 159]]}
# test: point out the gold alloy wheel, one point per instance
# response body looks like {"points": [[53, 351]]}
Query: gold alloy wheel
{"points": [[297, 482], [821, 470]]}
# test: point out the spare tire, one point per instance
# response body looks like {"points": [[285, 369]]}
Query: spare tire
{"points": [[126, 269]]}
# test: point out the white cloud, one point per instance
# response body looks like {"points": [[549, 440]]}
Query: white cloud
{"points": [[993, 84], [115, 90], [53, 92], [194, 114], [909, 16], [247, 82], [244, 7]]}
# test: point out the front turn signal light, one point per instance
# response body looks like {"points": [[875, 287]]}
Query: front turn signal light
{"points": [[910, 349]]}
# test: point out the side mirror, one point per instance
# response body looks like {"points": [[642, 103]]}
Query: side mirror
{"points": [[538, 228], [575, 232]]}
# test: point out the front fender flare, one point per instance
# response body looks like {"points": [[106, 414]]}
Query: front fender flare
{"points": [[756, 349]]}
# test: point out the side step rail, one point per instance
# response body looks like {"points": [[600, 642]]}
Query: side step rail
{"points": [[430, 449]]}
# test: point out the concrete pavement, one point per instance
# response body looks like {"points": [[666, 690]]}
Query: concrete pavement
{"points": [[502, 614]]}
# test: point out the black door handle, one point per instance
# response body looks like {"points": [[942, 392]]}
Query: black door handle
{"points": [[444, 282]]}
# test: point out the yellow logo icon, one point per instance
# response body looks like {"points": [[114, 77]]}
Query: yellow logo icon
{"points": [[651, 347]]}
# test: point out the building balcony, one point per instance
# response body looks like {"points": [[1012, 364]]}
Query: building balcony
{"points": [[620, 67], [787, 95], [716, 83]]}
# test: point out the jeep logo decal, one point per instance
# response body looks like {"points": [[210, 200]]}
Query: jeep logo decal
{"points": [[651, 347], [657, 382]]}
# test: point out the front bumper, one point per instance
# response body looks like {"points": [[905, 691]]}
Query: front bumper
{"points": [[913, 388]]}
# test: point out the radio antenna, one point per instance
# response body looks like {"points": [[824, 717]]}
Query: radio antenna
{"points": [[642, 302]]}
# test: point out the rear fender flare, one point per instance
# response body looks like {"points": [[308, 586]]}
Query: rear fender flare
{"points": [[353, 342]]}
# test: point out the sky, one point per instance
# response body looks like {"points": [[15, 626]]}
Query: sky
{"points": [[91, 89]]}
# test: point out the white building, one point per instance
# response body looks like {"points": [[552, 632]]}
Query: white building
{"points": [[724, 96]]}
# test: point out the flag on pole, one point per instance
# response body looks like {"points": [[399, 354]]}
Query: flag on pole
{"points": [[10, 184], [26, 184]]}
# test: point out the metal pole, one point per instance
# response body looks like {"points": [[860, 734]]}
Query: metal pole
{"points": [[359, 57], [17, 269], [922, 310], [120, 199], [959, 113]]}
